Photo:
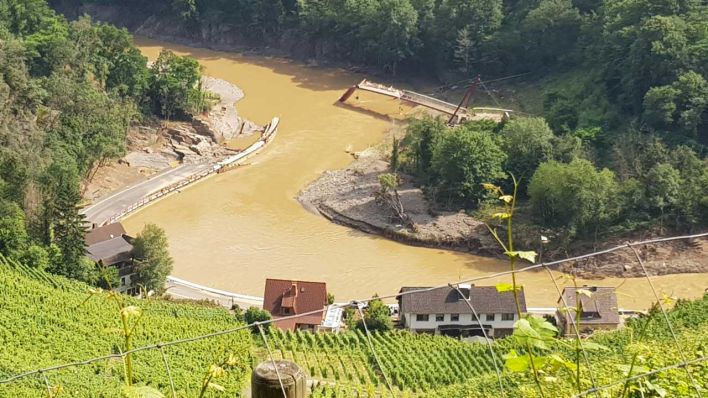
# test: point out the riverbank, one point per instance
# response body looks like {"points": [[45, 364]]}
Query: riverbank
{"points": [[157, 146], [348, 197]]}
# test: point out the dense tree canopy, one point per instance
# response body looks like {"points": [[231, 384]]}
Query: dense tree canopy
{"points": [[68, 94], [153, 262]]}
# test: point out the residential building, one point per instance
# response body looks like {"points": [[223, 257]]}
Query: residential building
{"points": [[110, 246], [284, 298], [444, 311], [598, 309]]}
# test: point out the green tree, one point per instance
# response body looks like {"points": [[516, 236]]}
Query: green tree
{"points": [[377, 317], [13, 232], [420, 139], [463, 49], [153, 262], [463, 159], [34, 256], [663, 188], [173, 85], [575, 195], [527, 142], [254, 314]]}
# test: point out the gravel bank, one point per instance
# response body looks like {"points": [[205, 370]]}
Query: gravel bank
{"points": [[347, 197]]}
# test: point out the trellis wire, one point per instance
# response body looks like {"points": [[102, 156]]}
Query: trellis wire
{"points": [[486, 338], [666, 318], [169, 373], [371, 347], [272, 360], [641, 376], [159, 346], [575, 328], [46, 383]]}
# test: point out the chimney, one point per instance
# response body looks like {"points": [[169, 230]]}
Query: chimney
{"points": [[465, 289]]}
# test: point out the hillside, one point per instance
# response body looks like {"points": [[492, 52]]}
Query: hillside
{"points": [[49, 320]]}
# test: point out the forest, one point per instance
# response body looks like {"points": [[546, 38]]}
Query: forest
{"points": [[623, 116], [613, 64], [68, 93], [624, 113]]}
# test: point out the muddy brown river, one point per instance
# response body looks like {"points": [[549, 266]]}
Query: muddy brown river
{"points": [[236, 229]]}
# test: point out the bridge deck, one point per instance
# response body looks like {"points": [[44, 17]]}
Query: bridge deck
{"points": [[413, 97], [463, 114]]}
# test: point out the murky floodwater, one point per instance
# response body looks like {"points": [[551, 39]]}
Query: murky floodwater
{"points": [[238, 228]]}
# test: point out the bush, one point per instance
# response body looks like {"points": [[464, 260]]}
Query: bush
{"points": [[254, 314]]}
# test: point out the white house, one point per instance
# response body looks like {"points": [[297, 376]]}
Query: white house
{"points": [[444, 311]]}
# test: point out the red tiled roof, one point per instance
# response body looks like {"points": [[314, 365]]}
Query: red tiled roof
{"points": [[300, 296]]}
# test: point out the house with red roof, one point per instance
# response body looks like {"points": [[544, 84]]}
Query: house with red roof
{"points": [[285, 298]]}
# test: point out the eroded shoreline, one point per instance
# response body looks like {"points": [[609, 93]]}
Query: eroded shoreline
{"points": [[347, 197]]}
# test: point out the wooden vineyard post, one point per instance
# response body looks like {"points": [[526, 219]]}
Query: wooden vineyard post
{"points": [[265, 383]]}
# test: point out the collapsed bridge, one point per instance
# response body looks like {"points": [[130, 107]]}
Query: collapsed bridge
{"points": [[458, 113]]}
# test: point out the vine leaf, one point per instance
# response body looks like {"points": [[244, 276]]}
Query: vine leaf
{"points": [[141, 392], [506, 287], [590, 346], [216, 387], [501, 216], [529, 256]]}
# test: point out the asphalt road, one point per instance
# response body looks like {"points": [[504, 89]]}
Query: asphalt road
{"points": [[105, 208], [177, 288]]}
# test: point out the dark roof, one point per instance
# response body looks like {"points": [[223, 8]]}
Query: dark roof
{"points": [[446, 300], [107, 232], [110, 251], [300, 296], [602, 301]]}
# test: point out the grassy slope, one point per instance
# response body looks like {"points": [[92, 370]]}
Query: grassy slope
{"points": [[43, 325]]}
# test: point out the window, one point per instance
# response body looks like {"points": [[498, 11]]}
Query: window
{"points": [[489, 317], [284, 310], [421, 317], [122, 281], [440, 318], [508, 317], [454, 317]]}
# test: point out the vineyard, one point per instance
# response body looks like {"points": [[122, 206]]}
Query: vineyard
{"points": [[48, 320], [414, 363], [430, 366]]}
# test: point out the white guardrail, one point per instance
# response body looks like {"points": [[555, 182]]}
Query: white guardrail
{"points": [[234, 298], [268, 134]]}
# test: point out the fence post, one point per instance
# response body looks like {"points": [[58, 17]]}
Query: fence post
{"points": [[265, 383]]}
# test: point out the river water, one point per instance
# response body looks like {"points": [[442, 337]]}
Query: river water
{"points": [[238, 228]]}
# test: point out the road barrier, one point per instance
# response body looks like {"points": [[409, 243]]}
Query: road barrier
{"points": [[267, 136]]}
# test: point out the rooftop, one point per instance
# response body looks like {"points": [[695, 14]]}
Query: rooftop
{"points": [[602, 303], [446, 300], [110, 251], [107, 232], [298, 297]]}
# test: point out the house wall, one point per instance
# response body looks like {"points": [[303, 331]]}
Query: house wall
{"points": [[568, 329], [126, 284], [412, 324]]}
